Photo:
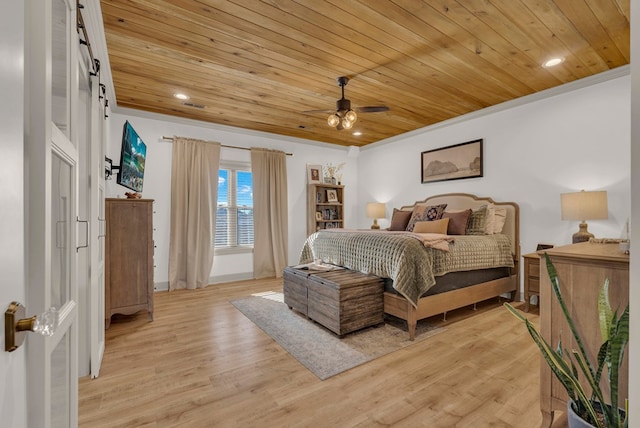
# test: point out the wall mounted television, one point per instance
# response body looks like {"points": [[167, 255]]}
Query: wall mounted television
{"points": [[132, 159]]}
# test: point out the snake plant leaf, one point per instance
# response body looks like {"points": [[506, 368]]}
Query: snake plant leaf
{"points": [[605, 314], [556, 363], [601, 361], [595, 387], [617, 343]]}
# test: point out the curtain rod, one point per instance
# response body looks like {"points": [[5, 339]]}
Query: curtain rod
{"points": [[221, 145]]}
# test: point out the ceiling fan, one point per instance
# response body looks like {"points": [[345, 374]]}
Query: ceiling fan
{"points": [[344, 117]]}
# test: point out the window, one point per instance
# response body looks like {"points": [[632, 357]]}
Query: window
{"points": [[234, 216]]}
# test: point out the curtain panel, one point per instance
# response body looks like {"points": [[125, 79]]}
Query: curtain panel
{"points": [[270, 212], [194, 195]]}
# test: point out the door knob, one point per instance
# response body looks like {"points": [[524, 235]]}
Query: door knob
{"points": [[16, 325]]}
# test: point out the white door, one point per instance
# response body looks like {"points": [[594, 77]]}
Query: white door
{"points": [[51, 209], [97, 228], [13, 373]]}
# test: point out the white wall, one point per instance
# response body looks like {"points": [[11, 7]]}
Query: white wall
{"points": [[157, 180], [532, 153]]}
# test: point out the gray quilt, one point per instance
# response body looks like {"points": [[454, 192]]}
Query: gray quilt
{"points": [[403, 257]]}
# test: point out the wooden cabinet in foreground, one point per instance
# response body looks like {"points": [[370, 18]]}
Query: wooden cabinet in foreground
{"points": [[531, 278], [325, 207], [582, 269], [128, 257]]}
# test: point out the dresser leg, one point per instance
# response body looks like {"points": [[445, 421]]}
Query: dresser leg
{"points": [[547, 419]]}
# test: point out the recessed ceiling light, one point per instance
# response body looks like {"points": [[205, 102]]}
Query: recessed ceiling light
{"points": [[553, 61], [181, 96], [357, 133]]}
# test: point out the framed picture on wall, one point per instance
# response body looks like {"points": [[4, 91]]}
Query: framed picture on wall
{"points": [[314, 174], [455, 162]]}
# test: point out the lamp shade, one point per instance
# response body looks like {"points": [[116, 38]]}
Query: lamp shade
{"points": [[584, 205], [375, 210]]}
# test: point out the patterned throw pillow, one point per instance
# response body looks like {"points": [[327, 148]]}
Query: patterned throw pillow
{"points": [[477, 221], [425, 213]]}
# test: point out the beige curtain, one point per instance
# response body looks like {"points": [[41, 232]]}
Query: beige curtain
{"points": [[270, 212], [194, 195]]}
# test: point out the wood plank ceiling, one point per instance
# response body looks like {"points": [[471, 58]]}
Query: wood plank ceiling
{"points": [[261, 65]]}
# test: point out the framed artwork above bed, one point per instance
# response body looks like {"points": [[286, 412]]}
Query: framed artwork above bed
{"points": [[455, 162]]}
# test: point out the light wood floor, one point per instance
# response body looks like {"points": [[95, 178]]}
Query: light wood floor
{"points": [[201, 363]]}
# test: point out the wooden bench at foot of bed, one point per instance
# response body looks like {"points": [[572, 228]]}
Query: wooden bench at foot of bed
{"points": [[429, 306]]}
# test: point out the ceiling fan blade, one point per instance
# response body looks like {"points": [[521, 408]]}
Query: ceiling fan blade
{"points": [[319, 111], [371, 109], [343, 105]]}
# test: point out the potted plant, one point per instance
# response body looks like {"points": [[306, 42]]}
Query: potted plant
{"points": [[593, 408]]}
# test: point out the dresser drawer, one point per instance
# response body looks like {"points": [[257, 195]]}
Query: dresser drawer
{"points": [[533, 270]]}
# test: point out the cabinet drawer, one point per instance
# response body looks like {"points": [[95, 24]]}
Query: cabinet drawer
{"points": [[534, 285], [533, 270]]}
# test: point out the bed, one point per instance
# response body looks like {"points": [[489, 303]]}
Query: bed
{"points": [[422, 278]]}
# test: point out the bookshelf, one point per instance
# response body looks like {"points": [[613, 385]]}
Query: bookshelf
{"points": [[325, 207]]}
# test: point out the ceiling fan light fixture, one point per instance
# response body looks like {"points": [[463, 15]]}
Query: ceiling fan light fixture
{"points": [[351, 116], [333, 120], [347, 124], [344, 117]]}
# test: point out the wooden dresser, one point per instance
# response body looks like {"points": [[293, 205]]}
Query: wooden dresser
{"points": [[128, 257], [531, 278], [582, 269]]}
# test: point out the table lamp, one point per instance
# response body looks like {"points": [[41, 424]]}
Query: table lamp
{"points": [[584, 206], [375, 210]]}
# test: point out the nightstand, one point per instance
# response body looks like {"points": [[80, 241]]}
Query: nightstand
{"points": [[531, 278]]}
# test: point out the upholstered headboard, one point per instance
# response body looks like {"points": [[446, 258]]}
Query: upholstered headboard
{"points": [[462, 201]]}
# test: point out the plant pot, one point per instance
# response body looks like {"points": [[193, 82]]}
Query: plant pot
{"points": [[575, 421]]}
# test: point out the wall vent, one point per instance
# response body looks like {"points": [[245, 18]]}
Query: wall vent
{"points": [[194, 105]]}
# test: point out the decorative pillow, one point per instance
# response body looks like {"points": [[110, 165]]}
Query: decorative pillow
{"points": [[400, 219], [500, 217], [496, 217], [434, 226], [488, 225], [458, 221], [478, 221], [425, 213]]}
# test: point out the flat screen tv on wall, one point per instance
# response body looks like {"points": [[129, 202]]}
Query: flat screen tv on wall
{"points": [[132, 158]]}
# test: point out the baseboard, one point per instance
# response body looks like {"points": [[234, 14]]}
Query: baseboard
{"points": [[161, 286], [219, 279], [242, 276]]}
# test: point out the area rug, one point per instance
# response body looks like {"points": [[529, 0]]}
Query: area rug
{"points": [[317, 348]]}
